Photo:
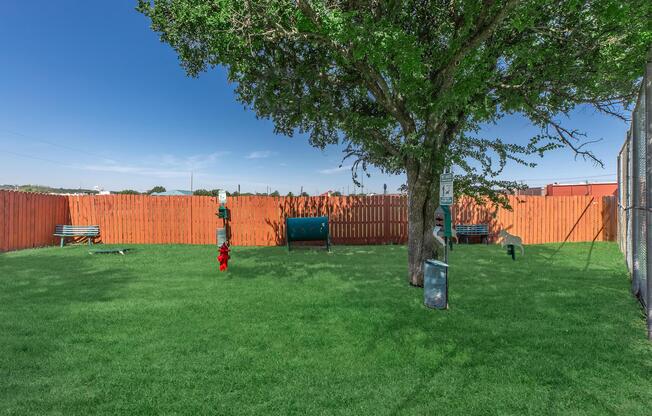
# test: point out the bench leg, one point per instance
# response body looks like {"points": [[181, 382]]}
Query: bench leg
{"points": [[90, 241], [62, 241]]}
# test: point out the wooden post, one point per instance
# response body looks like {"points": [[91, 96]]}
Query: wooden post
{"points": [[386, 219]]}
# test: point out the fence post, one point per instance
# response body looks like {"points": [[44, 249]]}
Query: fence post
{"points": [[635, 204], [647, 137], [386, 215], [619, 200]]}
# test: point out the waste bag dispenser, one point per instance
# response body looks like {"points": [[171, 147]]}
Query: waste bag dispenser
{"points": [[221, 236], [435, 284]]}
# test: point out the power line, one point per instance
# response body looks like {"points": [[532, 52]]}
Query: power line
{"points": [[63, 146], [35, 158], [570, 178]]}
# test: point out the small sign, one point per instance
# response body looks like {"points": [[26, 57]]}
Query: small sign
{"points": [[221, 196], [446, 189]]}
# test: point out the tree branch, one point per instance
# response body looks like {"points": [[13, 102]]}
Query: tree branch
{"points": [[563, 135], [483, 31], [373, 79]]}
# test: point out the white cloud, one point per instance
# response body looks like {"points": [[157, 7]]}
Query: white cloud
{"points": [[260, 154], [158, 166], [136, 170], [192, 162], [332, 171]]}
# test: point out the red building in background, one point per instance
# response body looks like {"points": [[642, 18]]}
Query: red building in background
{"points": [[582, 189]]}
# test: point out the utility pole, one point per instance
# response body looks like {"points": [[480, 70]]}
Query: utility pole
{"points": [[191, 178], [384, 189], [238, 189]]}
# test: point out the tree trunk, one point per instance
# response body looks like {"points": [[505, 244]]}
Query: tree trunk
{"points": [[423, 199]]}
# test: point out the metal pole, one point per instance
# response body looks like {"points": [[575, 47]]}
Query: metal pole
{"points": [[635, 204], [619, 201], [647, 131]]}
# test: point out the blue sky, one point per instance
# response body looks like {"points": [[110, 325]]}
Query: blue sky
{"points": [[90, 97]]}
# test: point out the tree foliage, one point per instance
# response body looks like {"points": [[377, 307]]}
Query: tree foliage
{"points": [[407, 84], [202, 192], [155, 190]]}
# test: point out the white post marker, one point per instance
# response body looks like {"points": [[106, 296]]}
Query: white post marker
{"points": [[221, 196], [446, 189]]}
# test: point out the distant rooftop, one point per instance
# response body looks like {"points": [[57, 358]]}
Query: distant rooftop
{"points": [[173, 192]]}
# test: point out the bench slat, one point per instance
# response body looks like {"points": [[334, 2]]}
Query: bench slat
{"points": [[63, 230], [472, 229], [75, 234], [68, 230]]}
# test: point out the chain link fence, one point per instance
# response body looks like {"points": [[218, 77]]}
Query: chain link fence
{"points": [[635, 196]]}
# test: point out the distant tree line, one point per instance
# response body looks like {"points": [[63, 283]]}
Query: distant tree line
{"points": [[155, 189], [46, 189], [215, 192]]}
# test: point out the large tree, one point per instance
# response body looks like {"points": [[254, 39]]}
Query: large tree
{"points": [[405, 85]]}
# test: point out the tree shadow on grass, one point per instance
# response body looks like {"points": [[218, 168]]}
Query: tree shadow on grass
{"points": [[59, 278], [303, 265], [499, 307], [521, 322]]}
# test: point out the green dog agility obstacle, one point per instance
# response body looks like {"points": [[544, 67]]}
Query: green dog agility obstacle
{"points": [[307, 229]]}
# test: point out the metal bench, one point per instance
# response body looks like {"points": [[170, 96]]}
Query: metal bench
{"points": [[469, 230], [88, 231]]}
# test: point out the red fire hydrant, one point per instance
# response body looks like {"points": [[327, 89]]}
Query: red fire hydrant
{"points": [[224, 257]]}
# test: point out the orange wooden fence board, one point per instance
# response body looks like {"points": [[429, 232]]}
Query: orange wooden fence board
{"points": [[28, 220]]}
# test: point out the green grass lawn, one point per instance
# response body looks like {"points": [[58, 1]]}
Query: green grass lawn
{"points": [[161, 331]]}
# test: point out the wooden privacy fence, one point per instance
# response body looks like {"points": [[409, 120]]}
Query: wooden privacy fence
{"points": [[547, 219], [28, 220], [255, 220]]}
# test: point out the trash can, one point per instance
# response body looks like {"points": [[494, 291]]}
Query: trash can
{"points": [[435, 284], [221, 236]]}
